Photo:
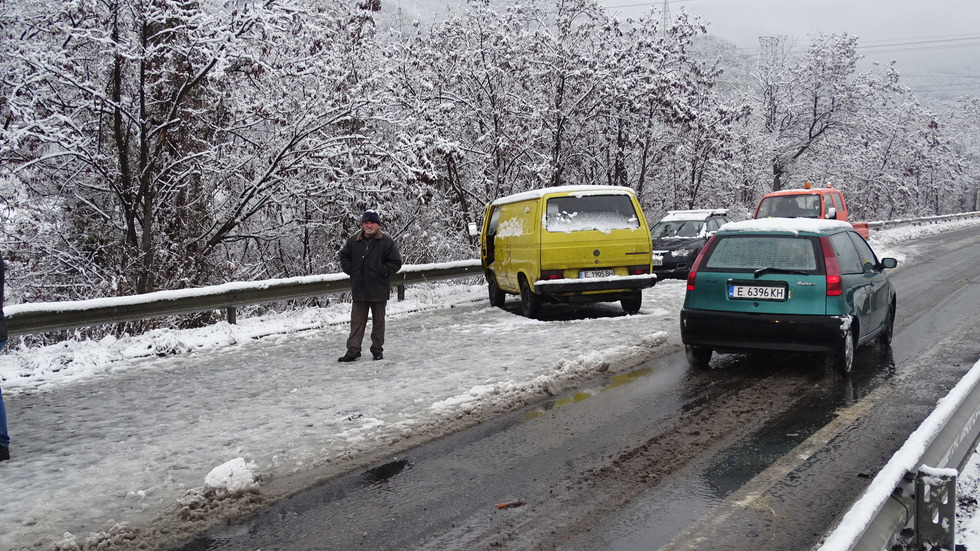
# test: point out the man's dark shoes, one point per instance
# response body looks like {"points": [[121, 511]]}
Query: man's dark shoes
{"points": [[346, 358], [378, 355], [4, 453]]}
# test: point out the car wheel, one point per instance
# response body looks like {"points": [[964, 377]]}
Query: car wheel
{"points": [[698, 356], [632, 303], [842, 359], [497, 297], [889, 332], [530, 302]]}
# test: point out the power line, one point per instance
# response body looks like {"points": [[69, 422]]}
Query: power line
{"points": [[649, 4], [923, 44], [940, 37]]}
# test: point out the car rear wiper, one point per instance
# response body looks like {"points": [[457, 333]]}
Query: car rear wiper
{"points": [[773, 270]]}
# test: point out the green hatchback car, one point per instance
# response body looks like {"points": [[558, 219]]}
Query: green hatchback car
{"points": [[796, 285]]}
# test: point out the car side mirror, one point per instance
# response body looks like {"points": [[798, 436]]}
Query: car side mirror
{"points": [[831, 213], [473, 230], [888, 263]]}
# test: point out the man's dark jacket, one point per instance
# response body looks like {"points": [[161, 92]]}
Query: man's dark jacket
{"points": [[370, 262], [3, 320]]}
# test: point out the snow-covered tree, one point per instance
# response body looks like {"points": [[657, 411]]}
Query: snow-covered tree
{"points": [[172, 136], [803, 100]]}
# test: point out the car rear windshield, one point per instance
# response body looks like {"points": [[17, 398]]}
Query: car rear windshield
{"points": [[737, 253], [790, 206], [591, 212]]}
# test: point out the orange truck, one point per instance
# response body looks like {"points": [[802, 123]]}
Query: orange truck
{"points": [[807, 202]]}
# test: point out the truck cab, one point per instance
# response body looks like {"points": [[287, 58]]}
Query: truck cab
{"points": [[807, 202]]}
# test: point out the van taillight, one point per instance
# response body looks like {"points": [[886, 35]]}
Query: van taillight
{"points": [[637, 270], [552, 274], [834, 284]]}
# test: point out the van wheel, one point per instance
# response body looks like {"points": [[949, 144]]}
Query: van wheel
{"points": [[698, 356], [632, 303], [842, 359], [530, 302], [497, 297]]}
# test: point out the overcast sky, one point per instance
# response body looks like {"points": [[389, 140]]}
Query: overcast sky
{"points": [[922, 35], [930, 39]]}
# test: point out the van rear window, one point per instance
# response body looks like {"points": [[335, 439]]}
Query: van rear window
{"points": [[749, 253], [591, 212]]}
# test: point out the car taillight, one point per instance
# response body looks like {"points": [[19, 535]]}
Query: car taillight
{"points": [[834, 284], [697, 264], [690, 278], [552, 274], [637, 270]]}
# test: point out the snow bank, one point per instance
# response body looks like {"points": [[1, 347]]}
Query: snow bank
{"points": [[233, 476]]}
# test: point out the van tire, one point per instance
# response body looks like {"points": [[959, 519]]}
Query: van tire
{"points": [[530, 302], [632, 303], [497, 297]]}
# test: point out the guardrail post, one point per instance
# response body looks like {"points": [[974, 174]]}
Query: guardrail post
{"points": [[232, 315], [401, 292], [935, 508]]}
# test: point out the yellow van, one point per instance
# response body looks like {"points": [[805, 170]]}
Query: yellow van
{"points": [[567, 244]]}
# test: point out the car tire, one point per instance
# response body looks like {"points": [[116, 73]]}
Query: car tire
{"points": [[497, 297], [530, 302], [698, 356], [886, 336], [841, 359], [632, 303]]}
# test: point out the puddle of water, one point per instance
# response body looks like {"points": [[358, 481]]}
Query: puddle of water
{"points": [[581, 395], [384, 472], [627, 378]]}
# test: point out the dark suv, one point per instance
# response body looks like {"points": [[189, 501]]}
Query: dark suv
{"points": [[680, 236], [804, 285]]}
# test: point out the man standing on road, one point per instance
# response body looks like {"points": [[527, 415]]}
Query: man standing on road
{"points": [[370, 257]]}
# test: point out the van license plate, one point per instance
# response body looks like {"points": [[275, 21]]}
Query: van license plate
{"points": [[757, 292], [596, 273]]}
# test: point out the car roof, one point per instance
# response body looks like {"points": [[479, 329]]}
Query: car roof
{"points": [[564, 190], [791, 226], [698, 214], [802, 191]]}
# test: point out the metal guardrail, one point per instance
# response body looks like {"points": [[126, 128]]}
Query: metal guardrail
{"points": [[908, 485], [24, 319], [924, 220]]}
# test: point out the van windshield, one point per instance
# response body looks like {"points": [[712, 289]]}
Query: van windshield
{"points": [[591, 212]]}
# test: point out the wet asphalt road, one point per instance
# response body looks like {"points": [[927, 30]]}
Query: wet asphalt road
{"points": [[760, 452]]}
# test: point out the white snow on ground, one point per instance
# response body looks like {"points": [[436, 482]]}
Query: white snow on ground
{"points": [[122, 430]]}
